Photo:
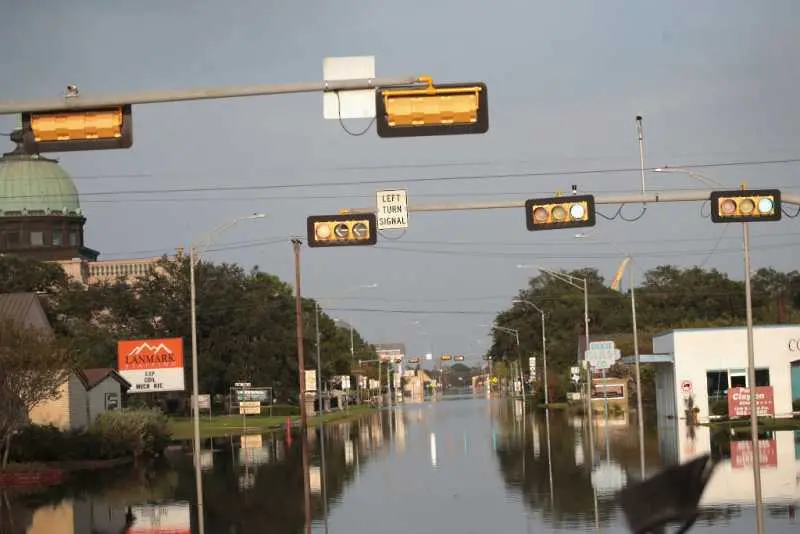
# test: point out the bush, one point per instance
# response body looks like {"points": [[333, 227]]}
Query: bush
{"points": [[47, 443], [131, 432]]}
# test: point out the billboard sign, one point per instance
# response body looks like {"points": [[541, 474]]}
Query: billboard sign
{"points": [[151, 365], [390, 351], [739, 402]]}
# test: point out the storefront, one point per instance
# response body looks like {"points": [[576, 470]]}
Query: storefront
{"points": [[696, 368]]}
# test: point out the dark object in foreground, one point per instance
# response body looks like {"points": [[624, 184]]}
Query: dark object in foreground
{"points": [[671, 496]]}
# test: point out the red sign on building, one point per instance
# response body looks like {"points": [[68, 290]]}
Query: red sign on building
{"points": [[742, 453], [739, 402]]}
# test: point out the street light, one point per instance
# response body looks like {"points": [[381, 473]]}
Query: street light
{"points": [[515, 332], [637, 358], [696, 175], [544, 347], [193, 249]]}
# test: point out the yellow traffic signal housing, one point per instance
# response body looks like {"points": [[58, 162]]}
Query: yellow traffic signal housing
{"points": [[571, 211], [342, 230], [446, 357], [746, 205], [413, 360], [441, 109], [459, 358], [74, 130]]}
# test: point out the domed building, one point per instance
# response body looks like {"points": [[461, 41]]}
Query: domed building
{"points": [[41, 219], [40, 214]]}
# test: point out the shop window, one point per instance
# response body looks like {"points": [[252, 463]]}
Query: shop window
{"points": [[717, 383], [762, 377], [37, 239], [738, 378]]}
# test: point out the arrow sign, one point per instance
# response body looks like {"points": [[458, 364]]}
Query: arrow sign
{"points": [[341, 231], [360, 230]]}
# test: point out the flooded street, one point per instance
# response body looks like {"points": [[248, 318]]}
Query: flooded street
{"points": [[465, 465]]}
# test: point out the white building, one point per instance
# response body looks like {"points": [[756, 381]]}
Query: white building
{"points": [[703, 363]]}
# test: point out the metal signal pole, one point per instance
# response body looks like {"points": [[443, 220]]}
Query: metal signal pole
{"points": [[301, 371]]}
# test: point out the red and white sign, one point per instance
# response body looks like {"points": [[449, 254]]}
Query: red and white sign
{"points": [[686, 387], [739, 402], [742, 453], [151, 365]]}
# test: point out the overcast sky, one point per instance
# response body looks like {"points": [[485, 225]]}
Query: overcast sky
{"points": [[714, 80]]}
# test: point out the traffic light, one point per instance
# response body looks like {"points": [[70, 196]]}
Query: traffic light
{"points": [[342, 230], [459, 358], [82, 129], [572, 211], [436, 109], [746, 205], [446, 357]]}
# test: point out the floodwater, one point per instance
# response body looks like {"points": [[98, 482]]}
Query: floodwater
{"points": [[462, 465]]}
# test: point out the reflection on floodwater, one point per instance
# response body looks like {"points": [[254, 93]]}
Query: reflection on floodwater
{"points": [[470, 465]]}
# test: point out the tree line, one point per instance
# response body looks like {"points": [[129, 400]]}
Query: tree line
{"points": [[246, 325], [669, 297]]}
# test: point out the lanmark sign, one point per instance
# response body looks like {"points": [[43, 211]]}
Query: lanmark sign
{"points": [[151, 365]]}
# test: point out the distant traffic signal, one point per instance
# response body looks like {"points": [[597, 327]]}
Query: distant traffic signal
{"points": [[571, 211], [746, 205], [83, 129], [459, 358], [437, 109], [446, 357], [342, 230]]}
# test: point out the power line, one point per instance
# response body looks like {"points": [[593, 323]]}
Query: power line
{"points": [[436, 179]]}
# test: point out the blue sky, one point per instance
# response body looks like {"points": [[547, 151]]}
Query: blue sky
{"points": [[714, 80]]}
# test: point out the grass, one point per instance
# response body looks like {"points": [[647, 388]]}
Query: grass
{"points": [[764, 423], [226, 425]]}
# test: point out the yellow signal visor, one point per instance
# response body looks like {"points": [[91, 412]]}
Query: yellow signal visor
{"points": [[445, 109], [572, 211], [70, 131], [746, 205], [342, 230]]}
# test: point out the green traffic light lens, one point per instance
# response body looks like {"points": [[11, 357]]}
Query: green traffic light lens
{"points": [[765, 205], [577, 211]]}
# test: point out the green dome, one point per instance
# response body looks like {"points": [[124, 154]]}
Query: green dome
{"points": [[31, 184]]}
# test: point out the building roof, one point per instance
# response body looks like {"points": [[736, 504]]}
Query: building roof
{"points": [[25, 309], [730, 328], [31, 184], [90, 378]]}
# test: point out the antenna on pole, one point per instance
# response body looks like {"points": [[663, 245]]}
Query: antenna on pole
{"points": [[640, 133]]}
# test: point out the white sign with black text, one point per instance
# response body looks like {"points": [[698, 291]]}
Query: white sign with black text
{"points": [[392, 209]]}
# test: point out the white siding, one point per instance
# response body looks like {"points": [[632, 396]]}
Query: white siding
{"points": [[97, 396], [78, 408], [663, 344], [665, 392], [701, 350]]}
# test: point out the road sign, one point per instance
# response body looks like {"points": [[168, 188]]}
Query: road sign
{"points": [[602, 354], [686, 387], [392, 209], [250, 408], [242, 385]]}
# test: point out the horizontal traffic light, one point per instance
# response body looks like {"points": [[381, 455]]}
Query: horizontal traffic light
{"points": [[413, 361], [85, 129], [572, 211], [436, 109], [342, 230], [459, 358], [446, 357], [746, 205]]}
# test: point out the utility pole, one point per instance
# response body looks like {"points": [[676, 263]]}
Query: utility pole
{"points": [[298, 299]]}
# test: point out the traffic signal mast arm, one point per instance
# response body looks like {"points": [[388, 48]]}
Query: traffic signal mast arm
{"points": [[632, 198], [80, 102]]}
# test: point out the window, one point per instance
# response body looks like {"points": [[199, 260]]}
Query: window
{"points": [[112, 401], [738, 378], [73, 238], [37, 239], [12, 239], [762, 377], [58, 237]]}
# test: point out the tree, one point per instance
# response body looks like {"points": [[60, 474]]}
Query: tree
{"points": [[33, 367]]}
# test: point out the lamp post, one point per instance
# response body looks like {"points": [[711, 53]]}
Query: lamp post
{"points": [[544, 348], [515, 332], [637, 357], [193, 250]]}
